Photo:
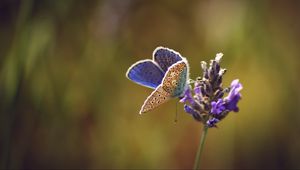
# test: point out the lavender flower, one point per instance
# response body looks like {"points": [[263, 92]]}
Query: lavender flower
{"points": [[217, 107], [205, 101]]}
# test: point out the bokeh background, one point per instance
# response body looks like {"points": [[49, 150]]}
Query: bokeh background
{"points": [[65, 101]]}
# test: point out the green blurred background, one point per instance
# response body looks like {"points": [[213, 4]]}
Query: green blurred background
{"points": [[65, 101]]}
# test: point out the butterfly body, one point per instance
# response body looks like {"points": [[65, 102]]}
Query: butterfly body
{"points": [[167, 73]]}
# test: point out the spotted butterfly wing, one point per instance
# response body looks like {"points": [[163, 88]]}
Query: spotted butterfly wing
{"points": [[175, 80], [173, 85], [156, 98]]}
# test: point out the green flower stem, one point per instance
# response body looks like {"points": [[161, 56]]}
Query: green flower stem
{"points": [[200, 148]]}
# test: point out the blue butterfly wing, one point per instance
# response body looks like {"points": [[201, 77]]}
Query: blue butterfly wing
{"points": [[165, 57], [145, 73]]}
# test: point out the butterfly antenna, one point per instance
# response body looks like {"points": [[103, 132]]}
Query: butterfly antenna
{"points": [[176, 112]]}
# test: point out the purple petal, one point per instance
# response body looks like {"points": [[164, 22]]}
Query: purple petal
{"points": [[187, 97], [217, 107], [188, 109], [212, 122], [197, 90], [234, 96], [232, 104]]}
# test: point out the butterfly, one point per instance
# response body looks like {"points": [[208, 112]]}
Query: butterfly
{"points": [[167, 73]]}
